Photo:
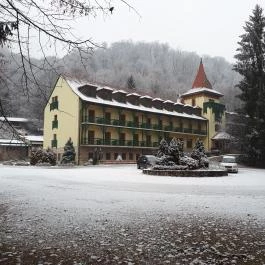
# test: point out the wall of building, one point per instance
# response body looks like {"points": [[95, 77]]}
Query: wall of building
{"points": [[199, 99], [13, 152], [67, 116]]}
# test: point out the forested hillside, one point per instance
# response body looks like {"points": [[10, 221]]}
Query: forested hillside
{"points": [[155, 68]]}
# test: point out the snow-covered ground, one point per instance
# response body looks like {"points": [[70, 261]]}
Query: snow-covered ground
{"points": [[120, 188], [114, 214]]}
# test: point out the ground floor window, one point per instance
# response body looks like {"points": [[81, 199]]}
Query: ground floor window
{"points": [[116, 155], [130, 156], [108, 156], [123, 156], [189, 143]]}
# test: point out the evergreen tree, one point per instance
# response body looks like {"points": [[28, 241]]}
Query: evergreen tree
{"points": [[251, 65], [131, 82], [69, 152]]}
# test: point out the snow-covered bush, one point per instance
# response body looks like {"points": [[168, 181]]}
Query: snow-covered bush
{"points": [[189, 162], [42, 156], [171, 156]]}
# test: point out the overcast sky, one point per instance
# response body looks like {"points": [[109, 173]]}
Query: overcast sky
{"points": [[207, 27]]}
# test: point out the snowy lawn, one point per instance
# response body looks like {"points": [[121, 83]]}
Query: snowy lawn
{"points": [[117, 215], [109, 189]]}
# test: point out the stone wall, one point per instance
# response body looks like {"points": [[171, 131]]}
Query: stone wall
{"points": [[186, 173]]}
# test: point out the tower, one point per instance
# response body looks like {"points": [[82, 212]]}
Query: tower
{"points": [[204, 96]]}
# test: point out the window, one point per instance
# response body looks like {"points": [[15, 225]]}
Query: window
{"points": [[148, 140], [148, 122], [54, 141], [107, 117], [108, 156], [217, 127], [189, 143], [199, 126], [107, 138], [116, 155], [160, 124], [136, 121], [123, 156], [90, 155], [122, 119], [135, 139], [181, 125], [54, 103], [122, 138], [137, 156], [91, 137], [193, 102], [55, 122], [130, 156], [91, 116]]}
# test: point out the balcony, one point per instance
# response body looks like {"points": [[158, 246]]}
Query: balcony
{"points": [[54, 143], [54, 105], [55, 124], [143, 126], [187, 130], [117, 142]]}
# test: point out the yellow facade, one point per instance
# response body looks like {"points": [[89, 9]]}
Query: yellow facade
{"points": [[67, 116], [213, 125], [112, 129]]}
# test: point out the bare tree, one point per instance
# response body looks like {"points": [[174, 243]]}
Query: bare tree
{"points": [[28, 25]]}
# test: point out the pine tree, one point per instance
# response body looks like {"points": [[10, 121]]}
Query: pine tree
{"points": [[251, 65], [69, 152], [131, 82]]}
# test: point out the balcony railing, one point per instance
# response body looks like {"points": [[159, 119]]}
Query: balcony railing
{"points": [[145, 126], [117, 142], [54, 105]]}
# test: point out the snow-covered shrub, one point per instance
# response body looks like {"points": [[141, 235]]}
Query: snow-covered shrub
{"points": [[42, 156], [190, 162], [198, 153]]}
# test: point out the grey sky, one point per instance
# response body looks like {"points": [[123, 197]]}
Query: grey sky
{"points": [[204, 26]]}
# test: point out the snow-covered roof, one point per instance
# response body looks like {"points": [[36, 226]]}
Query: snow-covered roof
{"points": [[14, 119], [133, 94], [119, 91], [223, 136], [13, 142], [74, 84], [105, 87], [200, 90], [158, 99], [34, 138], [146, 96], [168, 101]]}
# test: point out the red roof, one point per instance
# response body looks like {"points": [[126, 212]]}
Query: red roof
{"points": [[201, 78]]}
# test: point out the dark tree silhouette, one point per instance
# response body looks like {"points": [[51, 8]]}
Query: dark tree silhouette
{"points": [[131, 82], [251, 65]]}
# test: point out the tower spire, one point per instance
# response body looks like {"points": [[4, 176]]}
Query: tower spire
{"points": [[201, 79]]}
